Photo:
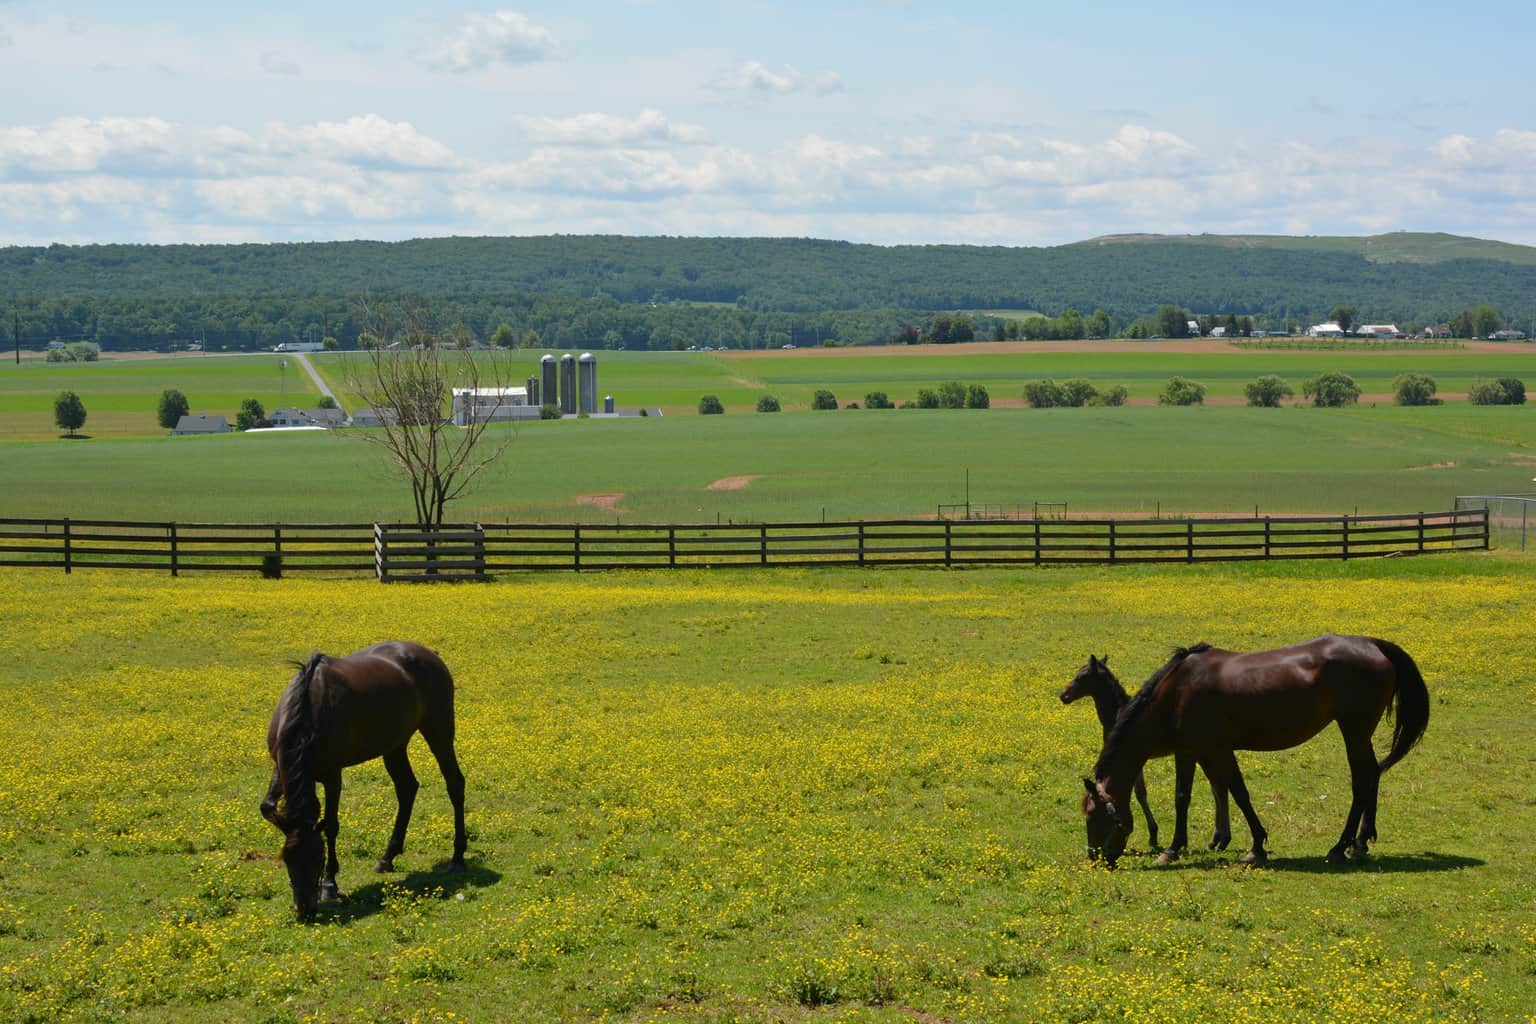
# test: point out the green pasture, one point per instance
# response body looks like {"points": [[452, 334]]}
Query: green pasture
{"points": [[754, 796], [122, 396], [843, 464]]}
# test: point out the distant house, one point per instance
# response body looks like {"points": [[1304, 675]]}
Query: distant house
{"points": [[1441, 331], [1507, 335], [1379, 331], [288, 417], [1218, 332], [202, 423], [1194, 328], [368, 416], [1327, 330], [490, 405]]}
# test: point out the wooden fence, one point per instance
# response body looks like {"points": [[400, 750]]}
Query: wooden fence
{"points": [[395, 552]]}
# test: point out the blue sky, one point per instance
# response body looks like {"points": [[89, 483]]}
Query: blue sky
{"points": [[887, 122]]}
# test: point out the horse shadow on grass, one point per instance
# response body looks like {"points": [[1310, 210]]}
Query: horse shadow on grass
{"points": [[437, 881], [1388, 864]]}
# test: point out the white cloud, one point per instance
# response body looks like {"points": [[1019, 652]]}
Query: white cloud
{"points": [[502, 37], [756, 77], [367, 141], [650, 128]]}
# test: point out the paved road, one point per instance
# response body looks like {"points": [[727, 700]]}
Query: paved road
{"points": [[303, 360]]}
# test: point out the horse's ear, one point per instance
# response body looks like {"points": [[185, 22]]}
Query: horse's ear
{"points": [[1093, 662], [1088, 785], [1104, 661]]}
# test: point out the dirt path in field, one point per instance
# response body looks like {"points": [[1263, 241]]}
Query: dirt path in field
{"points": [[608, 502], [732, 483]]}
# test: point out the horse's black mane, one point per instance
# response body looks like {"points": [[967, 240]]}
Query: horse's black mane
{"points": [[294, 742], [1143, 698]]}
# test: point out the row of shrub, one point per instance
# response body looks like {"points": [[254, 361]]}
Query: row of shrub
{"points": [[1327, 390]]}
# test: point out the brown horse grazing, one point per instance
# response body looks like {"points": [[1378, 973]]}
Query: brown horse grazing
{"points": [[1097, 681], [1206, 703], [338, 712]]}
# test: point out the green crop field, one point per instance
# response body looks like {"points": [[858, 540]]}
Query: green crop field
{"points": [[755, 796], [121, 395]]}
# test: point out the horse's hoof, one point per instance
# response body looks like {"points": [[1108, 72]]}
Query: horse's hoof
{"points": [[456, 867], [1335, 857], [1167, 857], [1254, 858], [384, 867], [1219, 843], [329, 892]]}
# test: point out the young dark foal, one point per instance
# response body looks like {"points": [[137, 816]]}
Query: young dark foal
{"points": [[1097, 681], [1206, 703], [338, 712]]}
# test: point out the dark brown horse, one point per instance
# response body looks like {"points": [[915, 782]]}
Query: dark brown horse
{"points": [[338, 712], [1206, 703], [1097, 681]]}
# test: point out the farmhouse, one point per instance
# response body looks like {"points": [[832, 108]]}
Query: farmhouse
{"points": [[491, 405], [202, 423], [1507, 335], [1327, 330], [289, 417], [1378, 331]]}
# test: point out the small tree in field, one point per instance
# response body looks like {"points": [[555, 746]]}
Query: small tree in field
{"points": [[710, 405], [952, 395], [173, 406], [1044, 394], [976, 397], [1267, 391], [1077, 393], [251, 415], [68, 412], [823, 400], [1179, 391], [1114, 396], [1504, 391], [878, 400], [408, 375], [1414, 389], [1331, 390], [768, 403]]}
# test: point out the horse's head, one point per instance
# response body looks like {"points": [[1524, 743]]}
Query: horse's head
{"points": [[1087, 679], [304, 857], [1109, 822]]}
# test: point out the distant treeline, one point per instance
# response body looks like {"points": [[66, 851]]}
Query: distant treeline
{"points": [[632, 292]]}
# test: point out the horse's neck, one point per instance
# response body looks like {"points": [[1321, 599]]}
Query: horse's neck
{"points": [[1108, 703]]}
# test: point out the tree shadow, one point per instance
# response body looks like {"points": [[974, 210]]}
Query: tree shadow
{"points": [[74, 437], [1397, 863], [438, 881]]}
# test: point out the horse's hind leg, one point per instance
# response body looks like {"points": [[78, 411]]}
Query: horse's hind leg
{"points": [[331, 825], [440, 740], [398, 764], [1364, 778], [1183, 784], [1141, 798]]}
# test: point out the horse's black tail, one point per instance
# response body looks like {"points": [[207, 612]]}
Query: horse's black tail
{"points": [[1412, 709], [295, 739]]}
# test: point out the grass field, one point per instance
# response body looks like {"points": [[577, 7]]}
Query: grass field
{"points": [[756, 797], [121, 395], [841, 465]]}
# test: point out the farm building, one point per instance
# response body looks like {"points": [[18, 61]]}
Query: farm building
{"points": [[202, 423], [1327, 330], [290, 417], [1378, 331], [483, 405]]}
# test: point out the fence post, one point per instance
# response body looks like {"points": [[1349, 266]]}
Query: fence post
{"points": [[67, 553], [174, 566], [672, 547], [861, 543], [1037, 540], [762, 543], [1421, 533], [1267, 555], [576, 547], [1344, 524], [1112, 541], [948, 552], [1189, 540], [380, 553]]}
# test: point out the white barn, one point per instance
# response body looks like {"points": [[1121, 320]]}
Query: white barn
{"points": [[491, 405]]}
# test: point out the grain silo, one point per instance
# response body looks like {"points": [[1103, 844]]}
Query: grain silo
{"points": [[533, 390], [568, 384], [547, 388], [588, 368]]}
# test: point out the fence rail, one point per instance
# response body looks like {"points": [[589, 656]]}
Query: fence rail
{"points": [[397, 552]]}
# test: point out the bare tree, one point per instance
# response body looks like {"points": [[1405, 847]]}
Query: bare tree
{"points": [[408, 374]]}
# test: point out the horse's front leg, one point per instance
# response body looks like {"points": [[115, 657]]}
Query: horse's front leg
{"points": [[269, 803], [1223, 768], [1140, 788], [1183, 784], [330, 823], [1223, 833], [398, 764]]}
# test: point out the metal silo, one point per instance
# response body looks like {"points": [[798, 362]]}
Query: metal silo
{"points": [[533, 390], [547, 388], [608, 404], [568, 384], [588, 367]]}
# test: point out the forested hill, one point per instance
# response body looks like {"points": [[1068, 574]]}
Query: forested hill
{"points": [[1424, 278]]}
